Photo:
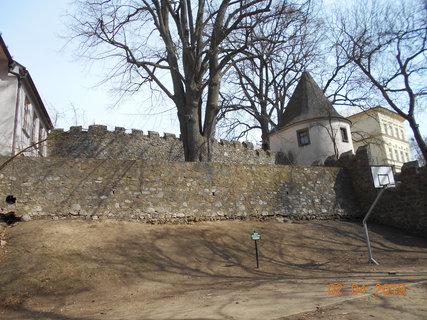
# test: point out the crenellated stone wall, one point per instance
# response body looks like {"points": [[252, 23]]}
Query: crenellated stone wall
{"points": [[93, 182], [99, 143], [404, 206], [173, 191]]}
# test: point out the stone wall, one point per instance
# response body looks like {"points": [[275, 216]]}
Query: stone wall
{"points": [[97, 142], [173, 191], [404, 206]]}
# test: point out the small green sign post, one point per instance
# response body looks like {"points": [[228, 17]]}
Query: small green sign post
{"points": [[256, 236]]}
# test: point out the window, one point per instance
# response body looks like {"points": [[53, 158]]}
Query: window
{"points": [[390, 153], [26, 125], [396, 155], [303, 137], [385, 128], [397, 132], [35, 129], [344, 134], [407, 157], [401, 134], [42, 136], [402, 157]]}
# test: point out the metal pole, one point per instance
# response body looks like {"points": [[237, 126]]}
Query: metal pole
{"points": [[371, 259], [256, 253]]}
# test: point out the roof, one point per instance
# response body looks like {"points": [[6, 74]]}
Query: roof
{"points": [[27, 80], [307, 102], [377, 109], [4, 52]]}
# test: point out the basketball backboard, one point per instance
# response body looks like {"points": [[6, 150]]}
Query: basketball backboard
{"points": [[383, 176]]}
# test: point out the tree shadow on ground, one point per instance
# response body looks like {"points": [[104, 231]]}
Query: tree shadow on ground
{"points": [[45, 262]]}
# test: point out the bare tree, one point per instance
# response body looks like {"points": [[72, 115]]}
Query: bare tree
{"points": [[259, 86], [386, 43], [416, 152], [340, 81], [181, 48], [33, 147]]}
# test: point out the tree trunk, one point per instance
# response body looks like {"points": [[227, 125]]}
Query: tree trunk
{"points": [[417, 135], [264, 133], [194, 143]]}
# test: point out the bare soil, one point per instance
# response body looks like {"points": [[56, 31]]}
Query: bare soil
{"points": [[86, 270]]}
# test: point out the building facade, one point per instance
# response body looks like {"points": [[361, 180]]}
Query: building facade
{"points": [[312, 129], [24, 119], [383, 130]]}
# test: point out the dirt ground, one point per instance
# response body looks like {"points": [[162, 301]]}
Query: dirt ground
{"points": [[67, 270]]}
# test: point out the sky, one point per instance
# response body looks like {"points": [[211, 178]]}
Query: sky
{"points": [[68, 85], [32, 31]]}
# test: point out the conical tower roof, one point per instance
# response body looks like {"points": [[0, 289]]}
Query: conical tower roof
{"points": [[307, 102]]}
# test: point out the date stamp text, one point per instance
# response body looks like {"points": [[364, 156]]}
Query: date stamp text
{"points": [[385, 289]]}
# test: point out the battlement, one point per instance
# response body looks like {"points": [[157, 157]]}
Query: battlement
{"points": [[99, 130], [98, 142]]}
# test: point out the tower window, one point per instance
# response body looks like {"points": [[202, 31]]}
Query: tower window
{"points": [[303, 137], [344, 134]]}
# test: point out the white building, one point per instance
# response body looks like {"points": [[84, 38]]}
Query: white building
{"points": [[23, 116], [384, 132], [312, 129]]}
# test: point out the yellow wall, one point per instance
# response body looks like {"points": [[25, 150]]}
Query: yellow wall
{"points": [[385, 133]]}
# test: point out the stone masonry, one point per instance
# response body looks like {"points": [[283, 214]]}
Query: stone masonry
{"points": [[94, 180], [404, 206], [97, 142], [160, 192]]}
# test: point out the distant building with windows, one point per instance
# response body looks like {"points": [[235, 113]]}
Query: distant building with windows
{"points": [[24, 119], [384, 132], [312, 129]]}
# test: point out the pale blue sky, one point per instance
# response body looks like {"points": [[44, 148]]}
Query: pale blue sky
{"points": [[32, 31]]}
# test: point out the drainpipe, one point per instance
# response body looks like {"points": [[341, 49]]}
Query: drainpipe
{"points": [[15, 122]]}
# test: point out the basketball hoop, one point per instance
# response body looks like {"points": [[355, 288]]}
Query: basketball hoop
{"points": [[383, 178]]}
